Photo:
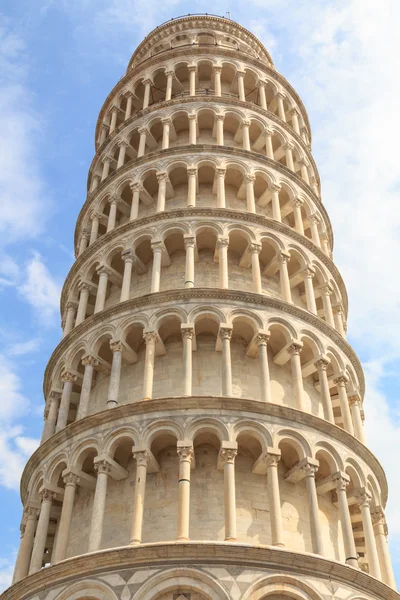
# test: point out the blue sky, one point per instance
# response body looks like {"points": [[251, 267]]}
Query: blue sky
{"points": [[58, 61]]}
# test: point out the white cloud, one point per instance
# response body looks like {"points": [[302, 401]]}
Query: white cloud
{"points": [[40, 290], [23, 197], [22, 348], [6, 571]]}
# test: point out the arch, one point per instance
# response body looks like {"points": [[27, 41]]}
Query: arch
{"points": [[159, 428], [112, 440], [82, 450], [330, 455], [252, 429], [181, 577], [285, 585], [207, 425], [355, 473], [294, 439], [88, 588]]}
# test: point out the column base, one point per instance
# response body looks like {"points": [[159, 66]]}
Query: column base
{"points": [[135, 542], [230, 539], [112, 403], [182, 539], [352, 562], [278, 545]]}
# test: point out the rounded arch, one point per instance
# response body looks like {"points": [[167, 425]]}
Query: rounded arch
{"points": [[252, 429], [83, 449], [294, 439], [330, 455], [159, 428], [87, 589], [207, 425], [56, 467], [171, 579], [355, 472], [113, 439], [285, 585]]}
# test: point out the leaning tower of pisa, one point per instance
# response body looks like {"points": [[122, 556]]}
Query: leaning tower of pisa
{"points": [[203, 435]]}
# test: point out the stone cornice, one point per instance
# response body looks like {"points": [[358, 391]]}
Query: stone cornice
{"points": [[193, 554], [204, 403], [201, 213], [196, 51], [198, 149], [184, 295], [215, 100], [189, 22]]}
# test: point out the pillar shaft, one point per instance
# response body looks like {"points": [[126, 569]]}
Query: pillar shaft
{"points": [[242, 95], [126, 280], [221, 188], [310, 295], [82, 306], [380, 531], [265, 383], [276, 207], [50, 423], [255, 250], [185, 454], [192, 182], [187, 336], [228, 458], [99, 503], [316, 535], [274, 500], [115, 377], [142, 459], [162, 188], [223, 263], [69, 380], [226, 334], [355, 409], [189, 264], [220, 129], [135, 201], [150, 339], [71, 481], [297, 377], [156, 272], [89, 362], [344, 404], [372, 554], [26, 545], [341, 483], [284, 277], [251, 205], [103, 273], [322, 366], [41, 532]]}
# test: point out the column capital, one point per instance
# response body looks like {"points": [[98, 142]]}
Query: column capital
{"points": [[272, 457], [309, 272], [114, 108], [162, 176], [309, 467], [219, 117], [94, 214], [148, 81], [30, 512], [261, 83], [103, 466], [67, 376], [116, 346], [192, 68], [192, 117], [322, 363], [249, 178], [123, 144], [275, 187], [240, 73], [255, 248], [326, 290], [70, 478], [71, 304], [295, 347], [283, 257], [363, 498], [289, 146], [187, 331], [150, 336], [170, 73], [227, 456], [114, 199], [143, 129], [342, 380], [107, 158], [355, 398], [337, 309], [103, 270], [294, 111], [157, 246], [225, 332], [220, 171], [46, 495], [191, 171], [217, 68], [166, 121], [90, 360], [314, 218], [189, 241], [262, 338], [85, 285], [280, 94], [185, 451], [245, 123], [127, 256], [340, 480], [268, 131], [297, 202], [142, 457], [136, 186], [85, 232], [223, 242]]}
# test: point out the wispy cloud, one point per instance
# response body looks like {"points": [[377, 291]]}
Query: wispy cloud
{"points": [[40, 290]]}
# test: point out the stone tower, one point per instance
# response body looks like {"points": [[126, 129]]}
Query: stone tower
{"points": [[203, 434]]}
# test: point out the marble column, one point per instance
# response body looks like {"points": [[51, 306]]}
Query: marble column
{"points": [[112, 217], [136, 188], [225, 334], [294, 113], [355, 409], [162, 179], [142, 461], [168, 91], [39, 543], [220, 129], [240, 80], [297, 377], [192, 129], [322, 364], [103, 272], [381, 532], [113, 123], [223, 244], [187, 338], [220, 174], [122, 145], [255, 250], [265, 382], [84, 291], [146, 97], [90, 363], [185, 453], [84, 241], [314, 223], [69, 320], [276, 207], [227, 457], [268, 143], [103, 133], [158, 248], [341, 383], [286, 293], [166, 123], [107, 160], [261, 92], [272, 460], [298, 218], [249, 180], [128, 109], [316, 535], [68, 379], [309, 274], [103, 469], [217, 80], [190, 244], [364, 501], [71, 480], [142, 141], [325, 244], [28, 528], [281, 108], [326, 293], [51, 420], [94, 231], [341, 481], [192, 183], [150, 338], [192, 79], [115, 376], [245, 125], [338, 315], [127, 257]]}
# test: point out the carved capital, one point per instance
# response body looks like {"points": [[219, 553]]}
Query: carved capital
{"points": [[103, 270], [249, 178], [68, 377], [162, 177], [192, 171], [71, 479], [309, 469], [295, 348], [90, 360], [142, 457], [46, 495], [123, 144], [166, 121], [102, 466], [220, 118], [116, 346], [136, 186], [262, 339], [341, 481], [185, 453], [127, 256], [245, 123], [364, 498], [71, 305], [322, 364], [189, 242], [150, 337], [342, 380], [221, 172], [225, 333], [283, 257], [255, 248], [187, 332], [227, 455]]}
